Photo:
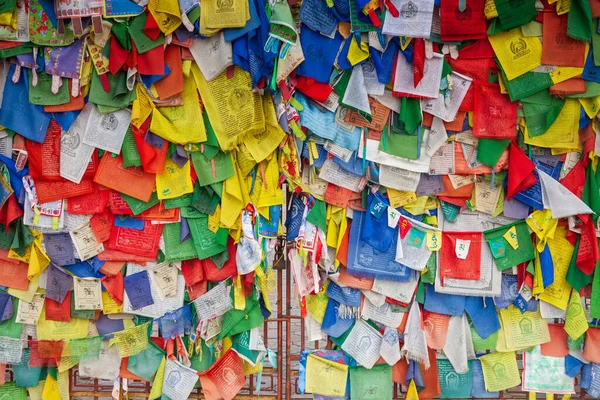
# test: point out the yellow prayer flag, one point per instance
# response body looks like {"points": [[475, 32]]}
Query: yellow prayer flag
{"points": [[522, 330], [131, 341], [76, 328], [141, 107], [239, 300], [564, 132], [267, 191], [181, 124], [511, 237], [51, 391], [358, 53], [26, 295], [500, 371], [412, 393], [325, 377], [559, 291], [561, 74], [224, 14], [156, 391], [591, 105], [166, 13], [262, 144], [576, 323], [233, 108], [316, 304], [517, 54], [109, 305], [400, 199], [543, 225], [174, 181], [434, 240]]}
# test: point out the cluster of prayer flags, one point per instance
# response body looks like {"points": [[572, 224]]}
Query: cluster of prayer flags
{"points": [[431, 164]]}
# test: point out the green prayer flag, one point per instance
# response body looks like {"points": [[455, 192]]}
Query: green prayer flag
{"points": [[179, 202], [175, 249], [512, 14], [524, 251], [490, 150], [146, 363], [575, 344], [7, 5], [595, 300], [400, 143], [142, 42], [11, 391], [131, 155], [83, 314], [201, 362], [6, 237], [118, 95], [480, 344], [120, 33], [41, 94], [241, 344], [318, 215], [580, 20], [410, 114], [213, 170], [207, 242], [590, 195], [205, 198], [576, 278], [452, 384], [21, 239], [596, 42], [138, 206], [526, 84], [371, 384], [342, 83], [541, 110], [237, 321], [220, 259]]}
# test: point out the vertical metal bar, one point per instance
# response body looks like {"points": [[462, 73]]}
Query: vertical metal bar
{"points": [[280, 365]]}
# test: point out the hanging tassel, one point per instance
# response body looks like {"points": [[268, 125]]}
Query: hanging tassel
{"points": [[453, 51], [34, 75], [75, 87], [56, 84], [97, 23], [61, 27], [285, 49], [16, 74], [130, 81], [186, 22], [77, 26], [428, 49]]}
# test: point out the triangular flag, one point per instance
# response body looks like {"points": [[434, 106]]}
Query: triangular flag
{"points": [[520, 171], [114, 287], [559, 200]]}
